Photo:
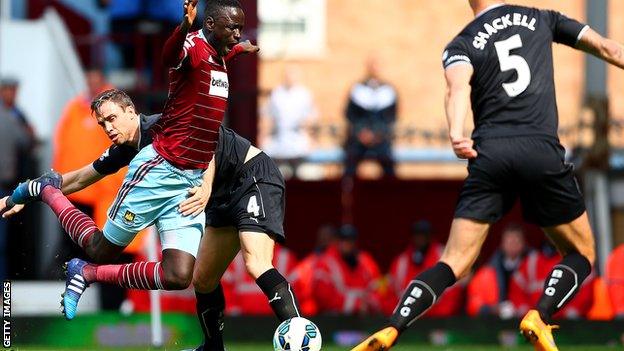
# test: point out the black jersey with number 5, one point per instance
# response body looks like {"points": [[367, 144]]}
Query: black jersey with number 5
{"points": [[510, 50]]}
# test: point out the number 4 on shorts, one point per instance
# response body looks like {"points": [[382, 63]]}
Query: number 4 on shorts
{"points": [[252, 206]]}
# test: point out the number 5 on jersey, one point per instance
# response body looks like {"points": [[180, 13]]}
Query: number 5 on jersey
{"points": [[516, 62]]}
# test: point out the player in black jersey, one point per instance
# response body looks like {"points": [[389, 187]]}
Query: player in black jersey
{"points": [[501, 65], [243, 196]]}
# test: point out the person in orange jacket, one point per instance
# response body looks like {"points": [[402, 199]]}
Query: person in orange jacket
{"points": [[421, 254], [347, 280], [304, 272], [242, 294], [614, 277], [488, 289], [527, 284], [78, 140]]}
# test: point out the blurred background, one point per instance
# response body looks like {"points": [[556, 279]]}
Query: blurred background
{"points": [[347, 97]]}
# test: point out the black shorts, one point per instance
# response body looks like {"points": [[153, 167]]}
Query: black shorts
{"points": [[530, 168], [254, 201]]}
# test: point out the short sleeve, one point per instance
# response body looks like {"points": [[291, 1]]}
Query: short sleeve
{"points": [[566, 30], [113, 159], [455, 53]]}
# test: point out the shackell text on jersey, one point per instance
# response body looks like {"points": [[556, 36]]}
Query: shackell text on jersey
{"points": [[500, 23]]}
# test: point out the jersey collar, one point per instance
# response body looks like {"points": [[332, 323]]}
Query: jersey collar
{"points": [[491, 7]]}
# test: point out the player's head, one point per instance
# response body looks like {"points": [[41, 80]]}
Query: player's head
{"points": [[116, 114], [512, 241], [224, 21], [478, 5], [421, 233], [8, 91]]}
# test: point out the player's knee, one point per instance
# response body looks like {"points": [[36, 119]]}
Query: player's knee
{"points": [[178, 278]]}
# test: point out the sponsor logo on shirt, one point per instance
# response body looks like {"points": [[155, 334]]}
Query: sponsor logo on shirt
{"points": [[219, 85]]}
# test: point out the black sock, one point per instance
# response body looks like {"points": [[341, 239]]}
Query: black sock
{"points": [[210, 308], [563, 282], [280, 295], [421, 294]]}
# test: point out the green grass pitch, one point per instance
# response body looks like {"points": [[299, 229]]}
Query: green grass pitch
{"points": [[412, 347]]}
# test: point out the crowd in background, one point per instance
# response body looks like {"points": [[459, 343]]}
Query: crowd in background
{"points": [[339, 278]]}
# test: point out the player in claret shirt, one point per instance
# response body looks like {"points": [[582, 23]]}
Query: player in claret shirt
{"points": [[159, 177], [501, 64]]}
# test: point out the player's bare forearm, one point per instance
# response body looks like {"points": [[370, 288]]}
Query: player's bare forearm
{"points": [[457, 99], [457, 105], [79, 179], [604, 48]]}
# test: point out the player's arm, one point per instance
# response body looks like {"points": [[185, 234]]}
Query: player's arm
{"points": [[457, 106], [79, 179], [604, 48], [244, 47], [174, 51], [72, 181], [199, 195]]}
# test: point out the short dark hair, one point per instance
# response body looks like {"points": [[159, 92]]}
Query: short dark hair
{"points": [[215, 7], [113, 95]]}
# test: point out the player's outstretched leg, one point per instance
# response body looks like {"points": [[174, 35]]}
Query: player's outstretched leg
{"points": [[462, 249], [75, 286], [173, 273], [31, 190], [575, 242], [420, 295]]}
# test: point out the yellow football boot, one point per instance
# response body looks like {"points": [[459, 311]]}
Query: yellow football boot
{"points": [[537, 332], [380, 341]]}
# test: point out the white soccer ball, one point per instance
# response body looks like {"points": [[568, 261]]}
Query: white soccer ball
{"points": [[297, 334]]}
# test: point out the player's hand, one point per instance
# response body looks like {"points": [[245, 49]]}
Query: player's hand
{"points": [[190, 12], [248, 47], [463, 148], [9, 211], [196, 203]]}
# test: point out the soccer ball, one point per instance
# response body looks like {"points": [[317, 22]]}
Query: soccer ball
{"points": [[297, 334]]}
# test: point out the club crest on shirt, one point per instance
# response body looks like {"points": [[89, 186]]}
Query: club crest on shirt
{"points": [[219, 85], [129, 217]]}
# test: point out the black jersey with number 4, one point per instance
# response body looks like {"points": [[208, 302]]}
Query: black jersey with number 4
{"points": [[229, 156], [510, 50]]}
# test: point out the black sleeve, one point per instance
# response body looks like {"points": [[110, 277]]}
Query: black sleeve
{"points": [[455, 52], [565, 30], [113, 159]]}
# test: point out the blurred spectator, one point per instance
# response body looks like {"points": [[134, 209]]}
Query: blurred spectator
{"points": [[289, 113], [614, 277], [150, 20], [421, 254], [304, 272], [78, 141], [242, 294], [371, 112], [527, 284], [488, 289], [346, 279], [14, 140], [27, 164]]}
